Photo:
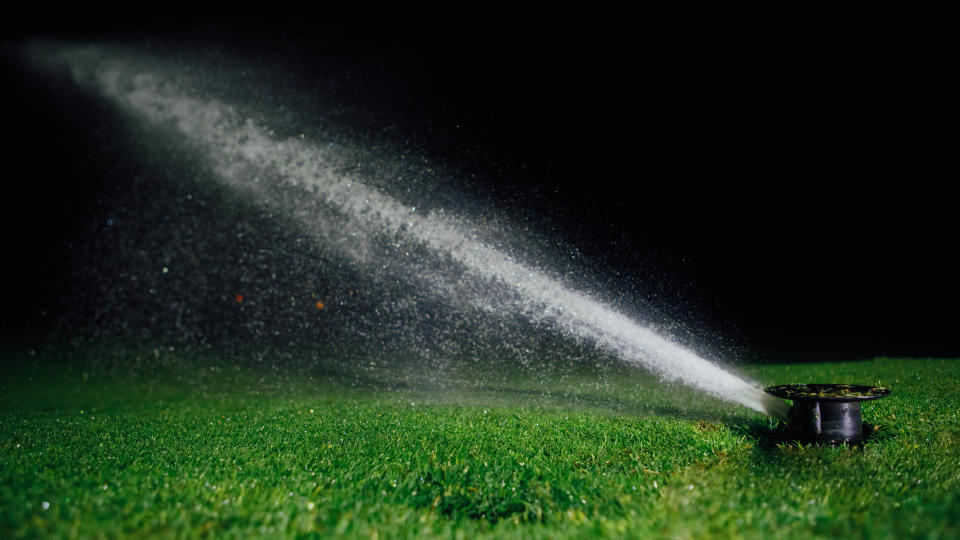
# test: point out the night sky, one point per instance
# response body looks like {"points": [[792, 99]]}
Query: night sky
{"points": [[787, 188]]}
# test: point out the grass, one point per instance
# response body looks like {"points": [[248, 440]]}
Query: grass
{"points": [[194, 446]]}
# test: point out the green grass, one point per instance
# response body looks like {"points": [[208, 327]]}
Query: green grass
{"points": [[190, 446]]}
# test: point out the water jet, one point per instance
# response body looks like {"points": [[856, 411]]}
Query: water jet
{"points": [[445, 277], [827, 412]]}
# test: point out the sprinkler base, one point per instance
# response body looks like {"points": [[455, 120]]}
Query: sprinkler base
{"points": [[827, 413]]}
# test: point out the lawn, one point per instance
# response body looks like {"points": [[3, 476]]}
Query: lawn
{"points": [[163, 443]]}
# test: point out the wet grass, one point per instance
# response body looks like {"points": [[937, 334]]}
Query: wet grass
{"points": [[193, 446]]}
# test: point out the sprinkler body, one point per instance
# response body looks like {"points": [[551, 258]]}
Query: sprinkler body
{"points": [[828, 413]]}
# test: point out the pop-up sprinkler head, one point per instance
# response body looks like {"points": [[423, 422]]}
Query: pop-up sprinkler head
{"points": [[827, 412]]}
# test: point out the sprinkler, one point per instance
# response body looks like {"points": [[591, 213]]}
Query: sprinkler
{"points": [[827, 412]]}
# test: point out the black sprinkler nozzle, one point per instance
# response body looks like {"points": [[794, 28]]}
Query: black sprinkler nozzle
{"points": [[827, 412]]}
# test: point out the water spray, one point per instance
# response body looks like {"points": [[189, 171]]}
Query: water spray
{"points": [[248, 157]]}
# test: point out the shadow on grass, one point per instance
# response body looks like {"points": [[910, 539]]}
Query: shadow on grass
{"points": [[770, 443]]}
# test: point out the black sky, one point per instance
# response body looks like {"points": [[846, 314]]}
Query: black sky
{"points": [[794, 183]]}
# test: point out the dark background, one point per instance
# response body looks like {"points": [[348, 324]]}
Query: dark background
{"points": [[789, 182]]}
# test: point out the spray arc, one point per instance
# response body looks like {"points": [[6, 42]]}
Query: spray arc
{"points": [[248, 157]]}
